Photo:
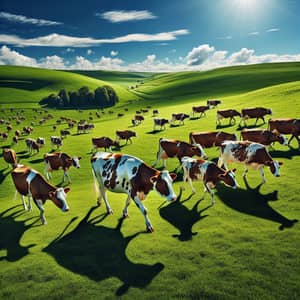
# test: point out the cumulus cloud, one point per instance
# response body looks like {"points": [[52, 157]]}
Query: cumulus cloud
{"points": [[25, 20], [117, 16], [58, 40], [273, 30], [114, 53], [11, 57], [241, 57], [89, 52], [52, 62], [70, 50]]}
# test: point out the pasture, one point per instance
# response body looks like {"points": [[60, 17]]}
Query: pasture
{"points": [[246, 246]]}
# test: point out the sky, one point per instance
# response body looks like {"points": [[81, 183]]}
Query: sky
{"points": [[153, 35]]}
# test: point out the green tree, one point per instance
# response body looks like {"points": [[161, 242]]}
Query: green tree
{"points": [[64, 97]]}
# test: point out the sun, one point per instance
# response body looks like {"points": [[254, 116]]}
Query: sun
{"points": [[246, 5]]}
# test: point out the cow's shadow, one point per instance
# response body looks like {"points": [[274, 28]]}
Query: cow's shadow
{"points": [[4, 172], [250, 201], [36, 161], [289, 153], [252, 126], [155, 131], [11, 232], [183, 218], [222, 126], [99, 252]]}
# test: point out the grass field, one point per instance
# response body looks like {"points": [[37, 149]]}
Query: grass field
{"points": [[244, 247]]}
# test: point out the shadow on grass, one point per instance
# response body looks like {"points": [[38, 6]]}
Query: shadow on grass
{"points": [[182, 218], [11, 232], [36, 161], [4, 172], [253, 126], [220, 126], [289, 153], [99, 253], [252, 202], [155, 131]]}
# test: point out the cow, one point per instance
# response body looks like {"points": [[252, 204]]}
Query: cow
{"points": [[10, 156], [209, 172], [263, 136], [213, 103], [254, 112], [32, 145], [15, 139], [174, 148], [121, 173], [17, 133], [56, 160], [31, 183], [125, 135], [8, 128], [120, 115], [200, 110], [286, 126], [227, 113], [27, 130], [56, 141], [138, 119], [179, 117], [250, 154], [208, 139], [5, 135], [41, 141], [104, 142], [155, 112], [64, 133], [160, 122]]}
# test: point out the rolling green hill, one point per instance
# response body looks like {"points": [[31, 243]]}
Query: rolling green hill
{"points": [[29, 85]]}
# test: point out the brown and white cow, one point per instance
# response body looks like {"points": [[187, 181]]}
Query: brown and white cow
{"points": [[208, 172], [250, 154], [15, 140], [125, 135], [104, 142], [29, 182], [263, 136], [41, 141], [56, 141], [254, 112], [138, 119], [64, 133], [179, 117], [174, 148], [155, 112], [57, 160], [121, 173], [213, 103], [227, 113], [160, 122], [200, 110], [286, 126], [208, 139], [32, 145], [10, 156]]}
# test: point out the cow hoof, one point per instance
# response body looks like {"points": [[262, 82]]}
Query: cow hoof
{"points": [[150, 229], [125, 215], [110, 212], [193, 191]]}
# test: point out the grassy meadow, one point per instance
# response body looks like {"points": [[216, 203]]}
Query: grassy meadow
{"points": [[246, 246]]}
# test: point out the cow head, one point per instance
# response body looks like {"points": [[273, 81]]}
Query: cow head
{"points": [[75, 161], [274, 166], [198, 150], [59, 198], [162, 183], [280, 137], [228, 178], [116, 144]]}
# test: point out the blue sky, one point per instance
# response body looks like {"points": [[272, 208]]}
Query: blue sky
{"points": [[153, 35]]}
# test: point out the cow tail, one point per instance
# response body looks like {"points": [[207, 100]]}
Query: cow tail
{"points": [[96, 186]]}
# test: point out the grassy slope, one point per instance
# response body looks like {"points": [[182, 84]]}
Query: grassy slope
{"points": [[236, 252], [30, 85]]}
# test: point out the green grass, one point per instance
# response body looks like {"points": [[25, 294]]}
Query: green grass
{"points": [[234, 250]]}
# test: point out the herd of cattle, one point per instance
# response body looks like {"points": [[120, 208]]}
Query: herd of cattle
{"points": [[127, 174]]}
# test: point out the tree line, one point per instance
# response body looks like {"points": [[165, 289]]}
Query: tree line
{"points": [[103, 96]]}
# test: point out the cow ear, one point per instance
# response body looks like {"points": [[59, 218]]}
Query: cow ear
{"points": [[79, 157], [153, 179], [51, 194], [280, 163], [66, 190], [275, 131], [173, 176], [268, 163], [220, 176], [233, 170]]}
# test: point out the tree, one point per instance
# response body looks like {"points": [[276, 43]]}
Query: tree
{"points": [[64, 97], [101, 96]]}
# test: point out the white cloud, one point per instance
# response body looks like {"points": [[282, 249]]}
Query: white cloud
{"points": [[273, 30], [11, 57], [227, 37], [104, 63], [117, 16], [254, 33], [89, 52], [114, 53], [52, 62], [70, 50], [25, 20], [58, 40], [241, 57]]}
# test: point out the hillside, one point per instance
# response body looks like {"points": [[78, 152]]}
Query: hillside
{"points": [[219, 82], [30, 85]]}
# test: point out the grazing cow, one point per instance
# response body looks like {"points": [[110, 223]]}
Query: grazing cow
{"points": [[227, 113], [174, 148], [32, 145], [5, 135], [15, 139], [29, 182], [263, 136], [144, 111], [56, 160], [41, 141], [27, 130], [127, 174], [17, 133], [104, 142], [254, 112], [211, 138], [286, 126], [200, 110], [120, 115], [54, 127], [155, 112], [160, 122], [179, 117], [125, 135], [56, 141], [8, 128], [209, 172], [250, 154], [138, 119], [64, 133], [10, 156], [213, 103]]}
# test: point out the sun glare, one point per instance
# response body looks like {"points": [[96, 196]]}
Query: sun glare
{"points": [[246, 5]]}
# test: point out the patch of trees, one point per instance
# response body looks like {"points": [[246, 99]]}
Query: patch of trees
{"points": [[103, 96]]}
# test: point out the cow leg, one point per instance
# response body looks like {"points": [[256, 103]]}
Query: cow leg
{"points": [[158, 156], [191, 185], [245, 171], [125, 210], [211, 192], [291, 138], [256, 121], [66, 173], [23, 202], [261, 170], [143, 210], [104, 196], [263, 118], [29, 203], [39, 204]]}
